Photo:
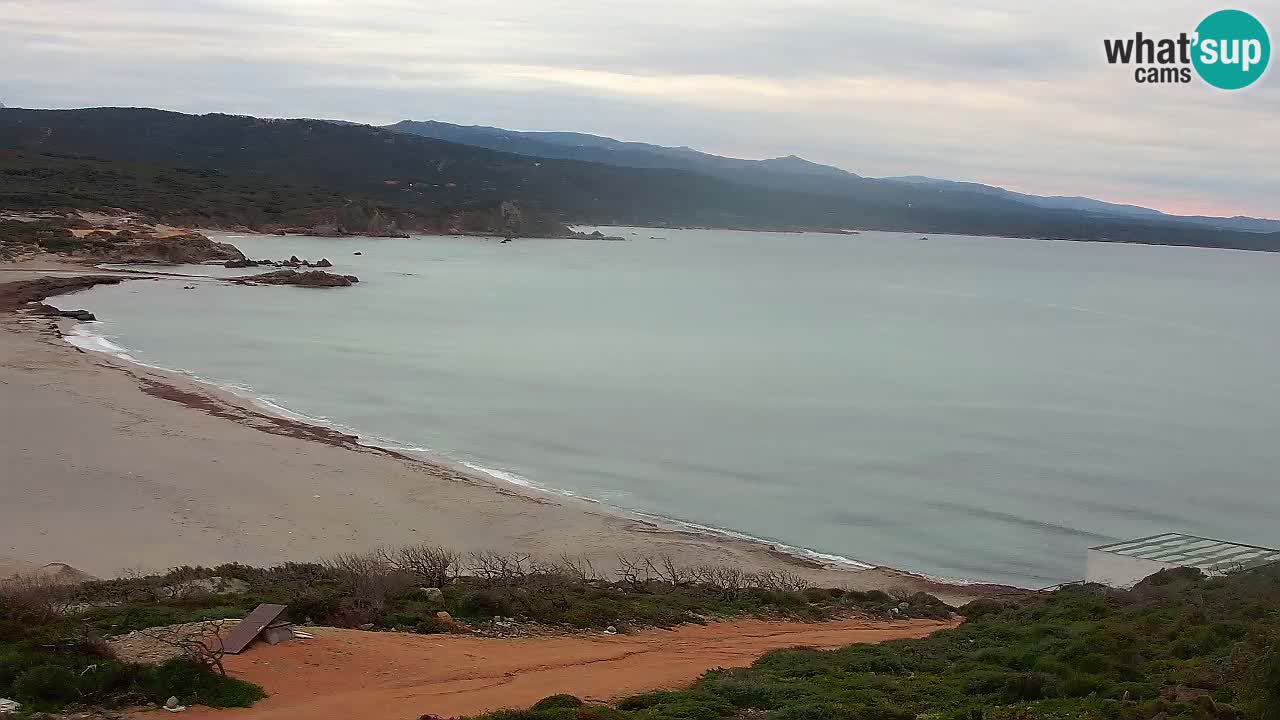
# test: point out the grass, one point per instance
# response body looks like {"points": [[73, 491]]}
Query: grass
{"points": [[1178, 646]]}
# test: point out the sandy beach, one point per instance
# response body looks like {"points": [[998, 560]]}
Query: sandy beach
{"points": [[114, 468]]}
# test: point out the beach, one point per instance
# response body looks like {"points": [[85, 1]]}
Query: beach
{"points": [[114, 468]]}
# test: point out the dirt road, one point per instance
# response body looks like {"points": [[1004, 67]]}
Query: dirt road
{"points": [[395, 676]]}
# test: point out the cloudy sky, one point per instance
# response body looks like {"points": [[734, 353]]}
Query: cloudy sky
{"points": [[1008, 92]]}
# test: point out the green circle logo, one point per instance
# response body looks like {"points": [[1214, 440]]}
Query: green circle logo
{"points": [[1232, 49]]}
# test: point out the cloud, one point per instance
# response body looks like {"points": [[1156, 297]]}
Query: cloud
{"points": [[1000, 91]]}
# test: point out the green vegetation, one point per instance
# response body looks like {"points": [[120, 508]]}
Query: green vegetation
{"points": [[405, 588], [205, 197], [1177, 646], [49, 660]]}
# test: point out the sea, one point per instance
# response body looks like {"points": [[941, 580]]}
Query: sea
{"points": [[969, 408]]}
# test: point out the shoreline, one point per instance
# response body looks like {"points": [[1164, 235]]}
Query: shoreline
{"points": [[282, 420], [636, 532]]}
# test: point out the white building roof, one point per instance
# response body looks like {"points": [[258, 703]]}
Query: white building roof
{"points": [[1213, 556]]}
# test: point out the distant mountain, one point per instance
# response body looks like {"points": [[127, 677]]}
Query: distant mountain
{"points": [[791, 173], [787, 173], [1090, 205], [426, 177]]}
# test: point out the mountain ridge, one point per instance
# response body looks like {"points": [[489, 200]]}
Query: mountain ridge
{"points": [[770, 172]]}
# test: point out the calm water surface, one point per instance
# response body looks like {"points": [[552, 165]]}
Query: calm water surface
{"points": [[966, 407]]}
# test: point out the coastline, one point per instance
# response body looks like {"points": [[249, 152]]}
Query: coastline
{"points": [[253, 471]]}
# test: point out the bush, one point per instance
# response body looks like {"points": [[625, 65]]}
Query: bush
{"points": [[196, 685], [46, 685], [557, 701]]}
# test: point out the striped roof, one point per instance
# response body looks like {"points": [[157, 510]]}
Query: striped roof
{"points": [[1191, 551]]}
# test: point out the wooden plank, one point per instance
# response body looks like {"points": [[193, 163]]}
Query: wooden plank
{"points": [[249, 628]]}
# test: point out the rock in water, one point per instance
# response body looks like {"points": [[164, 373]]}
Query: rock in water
{"points": [[311, 278], [324, 262]]}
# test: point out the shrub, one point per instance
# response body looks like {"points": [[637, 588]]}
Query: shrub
{"points": [[193, 684], [557, 701], [46, 685]]}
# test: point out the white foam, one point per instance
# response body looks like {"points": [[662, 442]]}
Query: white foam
{"points": [[507, 477], [83, 337], [824, 558]]}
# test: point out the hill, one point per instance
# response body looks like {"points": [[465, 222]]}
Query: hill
{"points": [[796, 174], [1090, 205], [429, 176]]}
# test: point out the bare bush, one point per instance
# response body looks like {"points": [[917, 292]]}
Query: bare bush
{"points": [[634, 573], [35, 598], [729, 580], [200, 643], [497, 568], [778, 581], [371, 578], [431, 564], [666, 571]]}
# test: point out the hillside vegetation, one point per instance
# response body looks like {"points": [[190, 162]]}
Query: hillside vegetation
{"points": [[52, 639], [428, 175], [1177, 646], [206, 197]]}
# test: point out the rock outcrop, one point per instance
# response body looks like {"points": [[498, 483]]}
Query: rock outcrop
{"points": [[191, 248], [310, 278]]}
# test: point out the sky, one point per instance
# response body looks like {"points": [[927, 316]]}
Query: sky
{"points": [[1014, 93]]}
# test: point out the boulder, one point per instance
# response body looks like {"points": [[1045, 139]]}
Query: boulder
{"points": [[324, 262], [433, 594], [240, 263]]}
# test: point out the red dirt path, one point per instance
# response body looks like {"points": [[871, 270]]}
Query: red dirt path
{"points": [[397, 676]]}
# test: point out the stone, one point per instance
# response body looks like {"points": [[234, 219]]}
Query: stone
{"points": [[324, 262], [293, 260], [367, 626], [433, 594], [445, 617], [240, 263], [904, 606], [171, 703], [611, 630], [357, 253]]}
